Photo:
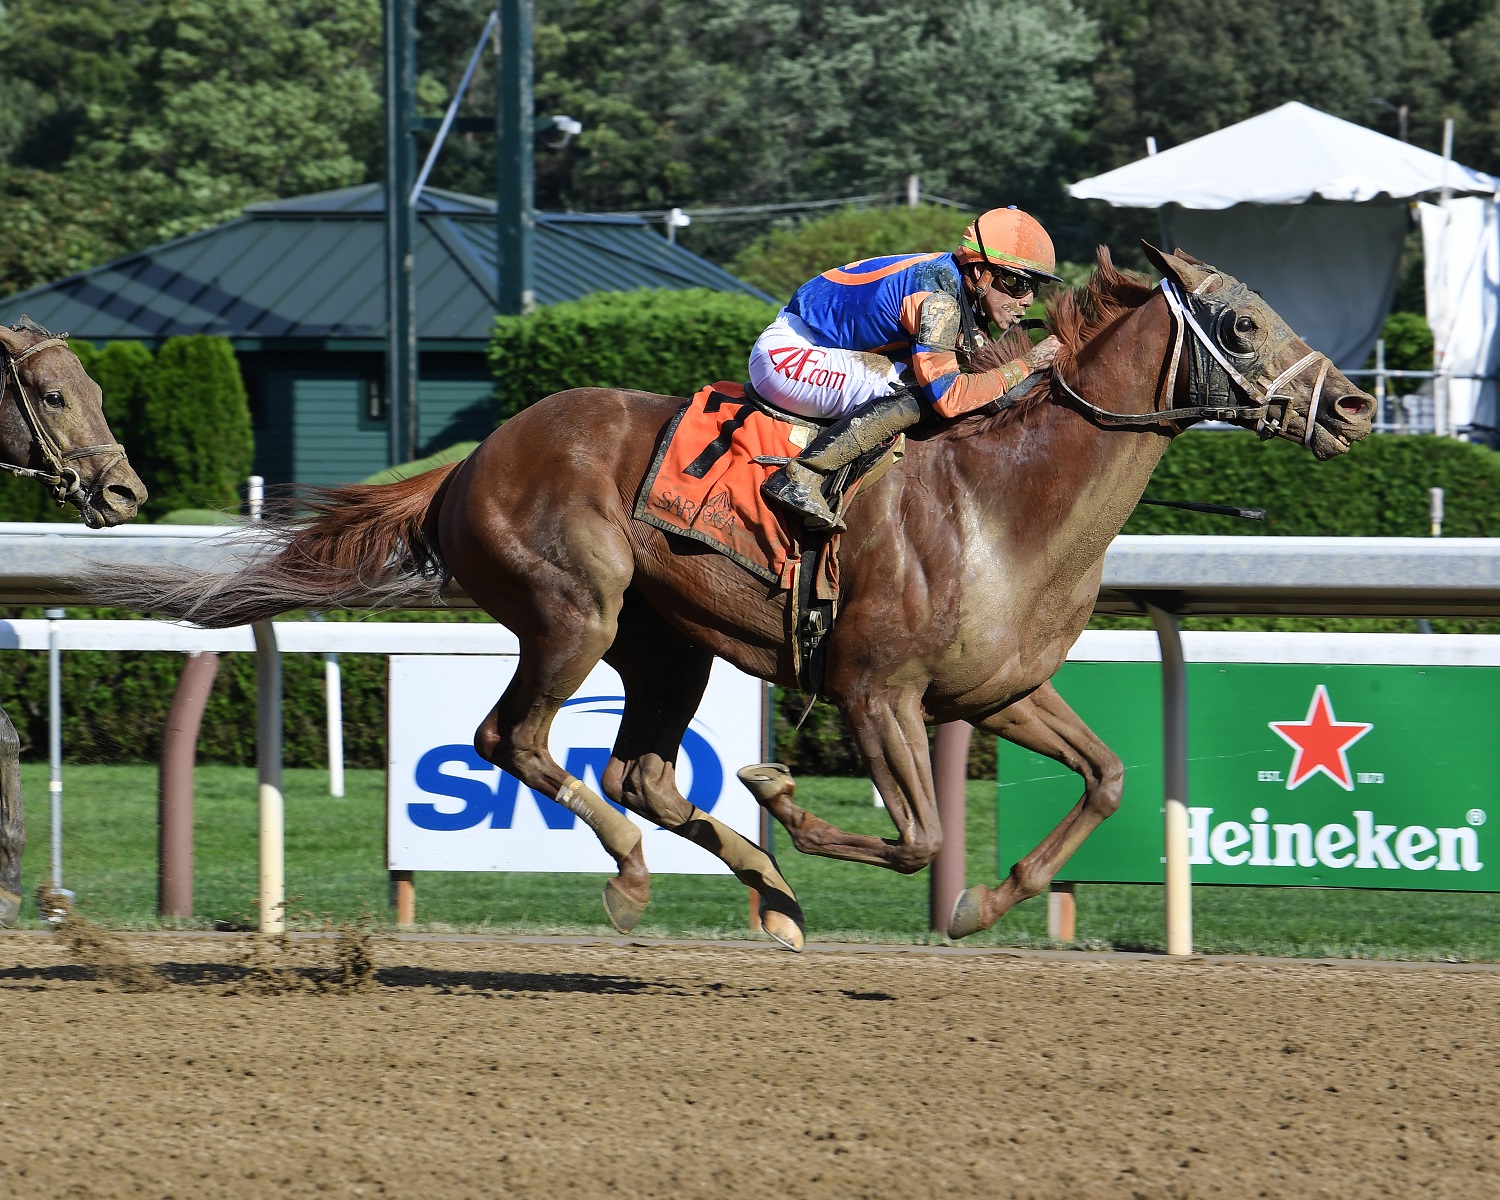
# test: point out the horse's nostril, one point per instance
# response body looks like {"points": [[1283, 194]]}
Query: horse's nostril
{"points": [[1356, 407], [118, 495]]}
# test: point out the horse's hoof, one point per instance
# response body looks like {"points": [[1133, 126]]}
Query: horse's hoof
{"points": [[968, 913], [765, 780], [10, 909], [783, 927], [624, 912]]}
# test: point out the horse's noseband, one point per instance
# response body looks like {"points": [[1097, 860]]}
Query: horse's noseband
{"points": [[62, 479], [1216, 369]]}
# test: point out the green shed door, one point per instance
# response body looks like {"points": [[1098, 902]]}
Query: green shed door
{"points": [[320, 423], [454, 407]]}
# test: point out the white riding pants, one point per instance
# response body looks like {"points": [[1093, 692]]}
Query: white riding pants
{"points": [[790, 370]]}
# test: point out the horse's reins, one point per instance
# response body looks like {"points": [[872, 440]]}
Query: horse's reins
{"points": [[1184, 321], [64, 481]]}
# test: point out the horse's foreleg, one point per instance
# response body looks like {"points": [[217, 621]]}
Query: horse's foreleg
{"points": [[893, 739], [1043, 722], [664, 676], [12, 824]]}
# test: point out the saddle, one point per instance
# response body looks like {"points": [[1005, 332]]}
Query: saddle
{"points": [[704, 484]]}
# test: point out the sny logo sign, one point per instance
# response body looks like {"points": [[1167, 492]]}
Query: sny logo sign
{"points": [[497, 803]]}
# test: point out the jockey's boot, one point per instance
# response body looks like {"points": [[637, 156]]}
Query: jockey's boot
{"points": [[798, 486]]}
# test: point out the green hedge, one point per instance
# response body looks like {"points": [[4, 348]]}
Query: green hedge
{"points": [[1378, 489], [654, 341]]}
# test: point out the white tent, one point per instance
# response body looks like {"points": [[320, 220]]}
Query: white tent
{"points": [[1461, 249], [1308, 209]]}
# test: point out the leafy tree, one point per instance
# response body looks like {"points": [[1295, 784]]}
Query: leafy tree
{"points": [[197, 443], [724, 101], [123, 372], [128, 122]]}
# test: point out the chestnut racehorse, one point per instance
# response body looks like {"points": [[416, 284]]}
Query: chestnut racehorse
{"points": [[966, 575], [52, 429]]}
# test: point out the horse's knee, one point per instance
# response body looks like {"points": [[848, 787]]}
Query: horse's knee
{"points": [[916, 852], [646, 786], [507, 751], [1104, 796]]}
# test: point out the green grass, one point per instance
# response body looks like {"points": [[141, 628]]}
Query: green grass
{"points": [[335, 852]]}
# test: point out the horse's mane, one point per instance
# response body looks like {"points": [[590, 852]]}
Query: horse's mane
{"points": [[1077, 317]]}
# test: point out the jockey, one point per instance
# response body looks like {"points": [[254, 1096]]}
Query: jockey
{"points": [[843, 346]]}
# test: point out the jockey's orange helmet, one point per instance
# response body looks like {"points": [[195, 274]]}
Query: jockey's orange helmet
{"points": [[1011, 240]]}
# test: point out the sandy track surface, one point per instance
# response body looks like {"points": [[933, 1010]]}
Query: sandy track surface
{"points": [[498, 1068]]}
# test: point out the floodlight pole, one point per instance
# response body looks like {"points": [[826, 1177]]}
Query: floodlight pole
{"points": [[400, 45], [515, 133]]}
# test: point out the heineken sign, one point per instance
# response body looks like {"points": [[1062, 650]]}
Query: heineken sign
{"points": [[1329, 775]]}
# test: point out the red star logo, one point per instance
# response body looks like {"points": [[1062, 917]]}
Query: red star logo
{"points": [[1321, 742]]}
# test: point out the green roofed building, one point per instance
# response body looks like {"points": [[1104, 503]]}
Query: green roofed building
{"points": [[298, 286]]}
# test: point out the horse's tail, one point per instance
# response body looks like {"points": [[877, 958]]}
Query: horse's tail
{"points": [[364, 544]]}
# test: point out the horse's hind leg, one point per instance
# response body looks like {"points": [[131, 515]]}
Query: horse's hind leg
{"points": [[664, 675], [558, 651], [1043, 722], [12, 826]]}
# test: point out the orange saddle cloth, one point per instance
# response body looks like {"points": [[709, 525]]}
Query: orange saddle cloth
{"points": [[705, 483]]}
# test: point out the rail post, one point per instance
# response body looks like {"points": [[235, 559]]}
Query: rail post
{"points": [[1178, 873], [272, 896], [950, 777], [179, 746], [54, 736]]}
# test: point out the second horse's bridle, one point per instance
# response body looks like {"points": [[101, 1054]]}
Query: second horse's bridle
{"points": [[63, 480], [1201, 383]]}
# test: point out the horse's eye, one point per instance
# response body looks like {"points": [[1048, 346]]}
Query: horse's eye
{"points": [[54, 399], [1236, 334]]}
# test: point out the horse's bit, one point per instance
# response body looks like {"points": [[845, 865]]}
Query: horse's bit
{"points": [[63, 480], [1201, 381]]}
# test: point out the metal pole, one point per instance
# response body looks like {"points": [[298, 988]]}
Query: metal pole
{"points": [[54, 736], [1179, 889], [179, 746], [400, 169], [333, 682], [458, 98], [1380, 380], [913, 191], [268, 768], [255, 496], [1443, 333], [515, 208], [950, 777]]}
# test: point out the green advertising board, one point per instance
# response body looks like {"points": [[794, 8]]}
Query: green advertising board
{"points": [[1323, 776]]}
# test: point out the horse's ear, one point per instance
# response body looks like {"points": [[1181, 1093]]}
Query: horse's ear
{"points": [[12, 340], [1182, 269]]}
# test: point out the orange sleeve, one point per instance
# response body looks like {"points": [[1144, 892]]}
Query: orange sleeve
{"points": [[968, 392]]}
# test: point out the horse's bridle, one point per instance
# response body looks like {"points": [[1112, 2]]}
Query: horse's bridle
{"points": [[1202, 383], [63, 480]]}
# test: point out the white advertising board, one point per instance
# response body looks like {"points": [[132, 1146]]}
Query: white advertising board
{"points": [[449, 810]]}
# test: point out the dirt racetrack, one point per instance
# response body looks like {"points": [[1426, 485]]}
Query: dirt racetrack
{"points": [[503, 1068]]}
